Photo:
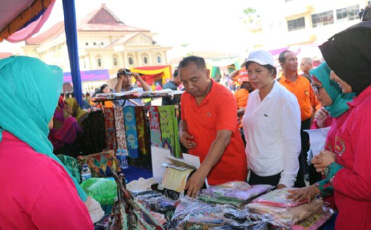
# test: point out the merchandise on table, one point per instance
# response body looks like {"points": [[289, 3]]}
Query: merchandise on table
{"points": [[277, 198], [175, 179], [286, 217], [235, 193]]}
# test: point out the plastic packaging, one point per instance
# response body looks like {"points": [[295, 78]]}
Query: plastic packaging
{"points": [[102, 189], [85, 172], [277, 198]]}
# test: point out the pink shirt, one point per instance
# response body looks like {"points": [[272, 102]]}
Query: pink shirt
{"points": [[352, 184], [36, 192]]}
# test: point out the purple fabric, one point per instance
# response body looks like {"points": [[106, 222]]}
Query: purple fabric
{"points": [[89, 75]]}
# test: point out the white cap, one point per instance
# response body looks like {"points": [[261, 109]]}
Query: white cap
{"points": [[261, 57]]}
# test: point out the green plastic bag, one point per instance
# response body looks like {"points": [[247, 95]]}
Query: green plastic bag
{"points": [[102, 189]]}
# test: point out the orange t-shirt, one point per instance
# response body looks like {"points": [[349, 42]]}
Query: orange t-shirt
{"points": [[218, 111], [303, 92], [242, 95]]}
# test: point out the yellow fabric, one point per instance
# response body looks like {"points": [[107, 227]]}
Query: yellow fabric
{"points": [[77, 111], [166, 73], [175, 179], [24, 17]]}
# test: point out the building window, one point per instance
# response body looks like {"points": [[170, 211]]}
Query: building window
{"points": [[86, 43], [296, 24], [94, 43], [323, 19], [348, 13], [159, 59], [102, 43], [115, 62], [131, 61], [99, 62], [288, 0], [145, 60]]}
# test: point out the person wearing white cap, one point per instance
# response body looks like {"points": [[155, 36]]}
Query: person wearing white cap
{"points": [[271, 125]]}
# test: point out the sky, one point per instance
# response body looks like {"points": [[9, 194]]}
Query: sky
{"points": [[205, 25]]}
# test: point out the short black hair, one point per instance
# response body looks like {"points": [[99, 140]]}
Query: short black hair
{"points": [[102, 87], [176, 73], [282, 57], [199, 61]]}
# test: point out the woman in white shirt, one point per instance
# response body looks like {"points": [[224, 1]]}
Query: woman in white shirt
{"points": [[271, 125]]}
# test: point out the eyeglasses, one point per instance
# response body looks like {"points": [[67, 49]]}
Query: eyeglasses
{"points": [[316, 88]]}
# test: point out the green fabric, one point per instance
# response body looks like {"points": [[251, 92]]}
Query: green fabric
{"points": [[29, 94], [72, 166], [325, 185], [339, 99]]}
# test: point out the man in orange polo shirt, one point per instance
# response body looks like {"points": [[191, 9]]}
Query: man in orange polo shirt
{"points": [[300, 86], [209, 127]]}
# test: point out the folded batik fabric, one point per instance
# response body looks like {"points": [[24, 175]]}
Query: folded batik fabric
{"points": [[131, 131], [109, 121], [154, 125], [175, 179], [120, 128]]}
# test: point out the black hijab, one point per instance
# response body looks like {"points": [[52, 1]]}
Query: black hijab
{"points": [[348, 53]]}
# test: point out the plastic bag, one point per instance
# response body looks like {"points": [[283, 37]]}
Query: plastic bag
{"points": [[101, 189], [286, 217], [277, 198]]}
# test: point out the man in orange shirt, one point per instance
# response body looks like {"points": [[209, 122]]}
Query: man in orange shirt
{"points": [[209, 127], [300, 86]]}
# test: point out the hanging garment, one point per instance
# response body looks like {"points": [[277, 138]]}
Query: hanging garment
{"points": [[93, 137], [131, 131], [109, 121], [120, 128], [169, 132], [154, 125], [141, 130]]}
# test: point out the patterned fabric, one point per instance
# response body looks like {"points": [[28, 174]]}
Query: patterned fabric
{"points": [[154, 125], [109, 121], [120, 128], [169, 131], [131, 131], [72, 165], [277, 198], [102, 164], [175, 179], [325, 185], [141, 130]]}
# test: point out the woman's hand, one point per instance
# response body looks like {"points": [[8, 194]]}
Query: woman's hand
{"points": [[303, 194], [322, 160], [321, 116]]}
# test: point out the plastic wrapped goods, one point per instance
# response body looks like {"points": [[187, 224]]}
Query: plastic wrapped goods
{"points": [[286, 217], [277, 198]]}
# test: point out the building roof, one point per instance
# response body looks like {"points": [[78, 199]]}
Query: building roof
{"points": [[101, 19]]}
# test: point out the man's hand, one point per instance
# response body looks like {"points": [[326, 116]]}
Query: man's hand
{"points": [[303, 194], [186, 139], [195, 183], [136, 76], [322, 160]]}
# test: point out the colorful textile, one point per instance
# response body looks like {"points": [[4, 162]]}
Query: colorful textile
{"points": [[93, 138], [154, 125], [120, 128], [131, 131], [168, 129], [36, 191], [77, 112], [109, 121], [65, 128], [72, 166], [314, 222], [141, 130], [277, 198], [29, 94], [102, 164], [234, 191]]}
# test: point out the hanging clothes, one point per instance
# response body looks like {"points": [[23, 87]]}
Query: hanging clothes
{"points": [[120, 128], [169, 130], [131, 131], [109, 121], [154, 125]]}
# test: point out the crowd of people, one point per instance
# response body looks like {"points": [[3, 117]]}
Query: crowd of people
{"points": [[255, 135]]}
